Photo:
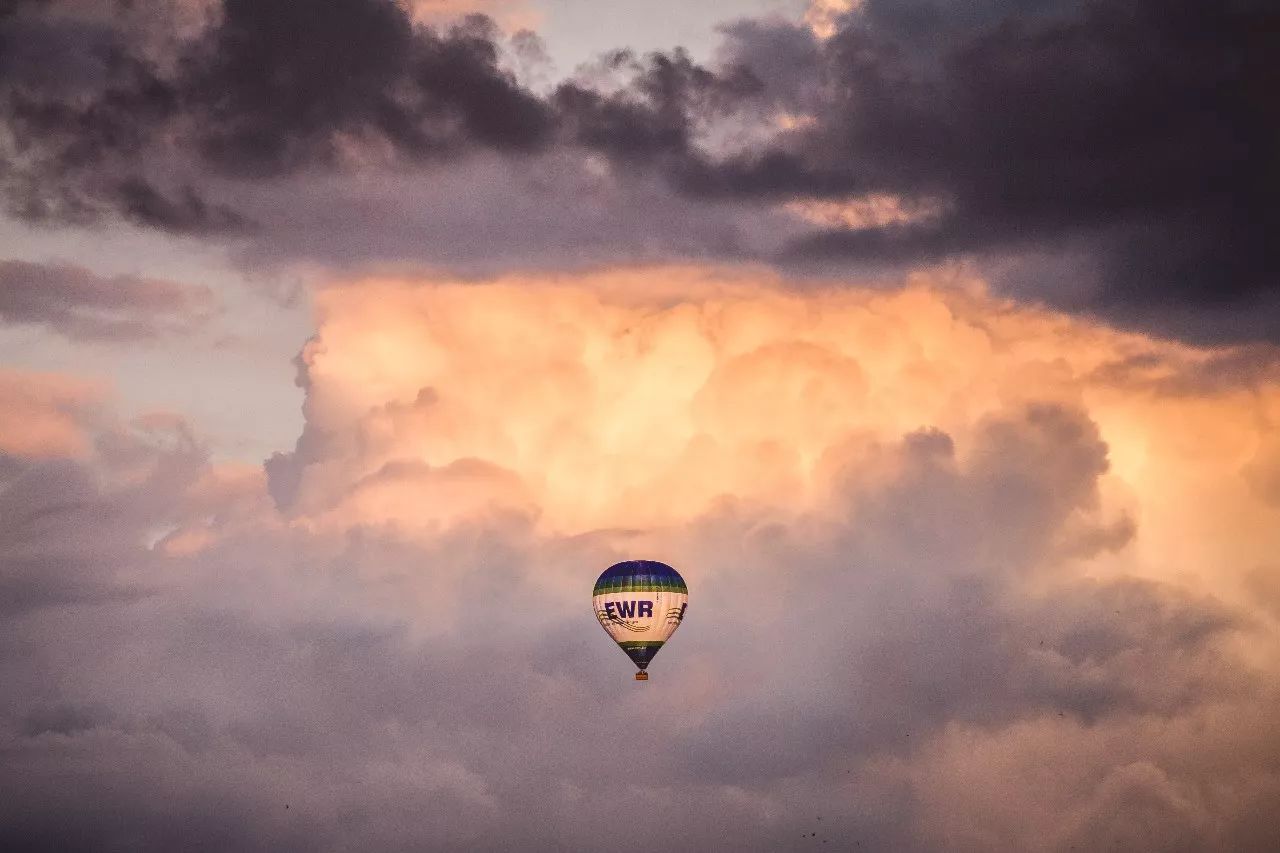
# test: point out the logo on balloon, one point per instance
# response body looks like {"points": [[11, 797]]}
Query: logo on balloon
{"points": [[630, 609], [616, 612]]}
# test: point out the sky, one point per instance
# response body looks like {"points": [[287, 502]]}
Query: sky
{"points": [[344, 344]]}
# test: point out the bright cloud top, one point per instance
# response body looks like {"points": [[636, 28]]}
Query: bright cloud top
{"points": [[644, 398]]}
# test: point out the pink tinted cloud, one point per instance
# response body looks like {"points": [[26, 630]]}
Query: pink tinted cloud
{"points": [[46, 415]]}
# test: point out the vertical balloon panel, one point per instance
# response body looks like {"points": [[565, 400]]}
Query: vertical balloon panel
{"points": [[640, 603]]}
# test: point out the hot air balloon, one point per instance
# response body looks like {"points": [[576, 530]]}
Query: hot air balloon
{"points": [[640, 603]]}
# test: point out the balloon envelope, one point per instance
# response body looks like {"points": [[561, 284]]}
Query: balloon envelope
{"points": [[640, 603]]}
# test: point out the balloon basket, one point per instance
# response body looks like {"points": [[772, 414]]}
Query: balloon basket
{"points": [[642, 676]]}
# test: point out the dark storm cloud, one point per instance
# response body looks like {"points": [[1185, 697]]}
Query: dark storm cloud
{"points": [[1107, 157], [655, 115], [82, 305], [1141, 136], [182, 211], [279, 82], [79, 109], [263, 127], [266, 89]]}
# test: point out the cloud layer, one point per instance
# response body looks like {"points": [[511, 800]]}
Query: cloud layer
{"points": [[84, 306], [962, 576], [1110, 158]]}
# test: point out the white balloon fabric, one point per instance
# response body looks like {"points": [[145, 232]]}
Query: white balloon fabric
{"points": [[640, 603]]}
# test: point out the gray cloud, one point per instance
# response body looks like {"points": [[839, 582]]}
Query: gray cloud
{"points": [[1130, 138], [262, 89], [85, 306], [1108, 158], [295, 690]]}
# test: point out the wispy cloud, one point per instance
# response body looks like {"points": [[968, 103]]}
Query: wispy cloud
{"points": [[84, 306]]}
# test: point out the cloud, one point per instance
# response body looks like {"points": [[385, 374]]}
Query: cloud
{"points": [[1078, 153], [511, 16], [487, 215], [257, 89], [70, 529], [271, 131], [84, 306], [46, 415], [967, 572], [936, 544], [745, 375], [182, 212], [1100, 132], [275, 101], [655, 114]]}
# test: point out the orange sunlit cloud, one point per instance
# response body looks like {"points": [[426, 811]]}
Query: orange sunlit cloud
{"points": [[509, 15], [641, 398], [822, 15], [870, 211]]}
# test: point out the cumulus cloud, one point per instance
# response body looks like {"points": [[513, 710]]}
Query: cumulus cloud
{"points": [[961, 578], [966, 573], [83, 305], [692, 384]]}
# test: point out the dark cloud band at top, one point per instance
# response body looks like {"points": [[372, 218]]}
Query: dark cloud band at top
{"points": [[1137, 140], [1142, 132]]}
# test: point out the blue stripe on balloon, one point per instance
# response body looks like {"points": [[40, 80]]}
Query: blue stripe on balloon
{"points": [[640, 571]]}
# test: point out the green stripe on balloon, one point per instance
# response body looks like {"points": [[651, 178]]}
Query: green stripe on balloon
{"points": [[639, 586]]}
